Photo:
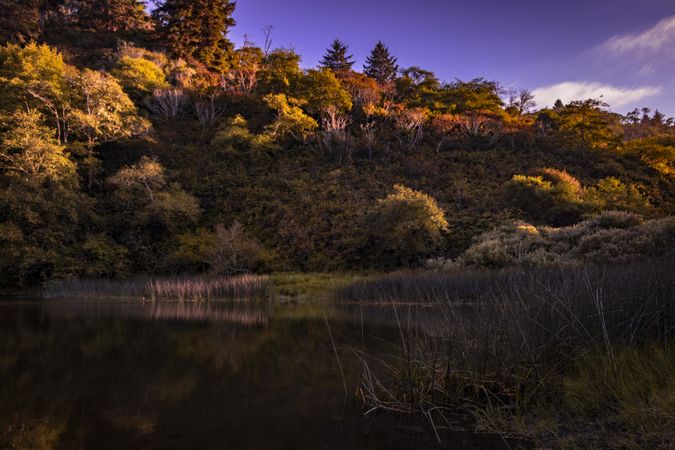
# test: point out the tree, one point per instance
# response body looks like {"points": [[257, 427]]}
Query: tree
{"points": [[36, 76], [336, 57], [102, 113], [418, 87], [280, 72], [242, 78], [28, 149], [381, 65], [406, 226], [198, 29], [19, 21], [149, 212], [112, 16], [323, 91], [587, 123], [475, 95], [291, 119], [139, 76], [521, 101]]}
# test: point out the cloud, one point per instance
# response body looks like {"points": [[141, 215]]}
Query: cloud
{"points": [[581, 90], [660, 37]]}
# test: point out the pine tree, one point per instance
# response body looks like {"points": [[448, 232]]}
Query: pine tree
{"points": [[197, 28], [112, 15], [381, 65], [336, 57]]}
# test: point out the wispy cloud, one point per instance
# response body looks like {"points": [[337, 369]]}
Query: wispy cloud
{"points": [[660, 37], [580, 90]]}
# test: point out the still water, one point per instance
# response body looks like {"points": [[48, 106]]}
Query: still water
{"points": [[111, 375]]}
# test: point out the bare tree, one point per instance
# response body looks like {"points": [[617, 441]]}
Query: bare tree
{"points": [[168, 104], [208, 109], [334, 136], [411, 123], [267, 32], [481, 126], [521, 100]]}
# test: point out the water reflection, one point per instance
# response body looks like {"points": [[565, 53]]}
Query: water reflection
{"points": [[181, 375]]}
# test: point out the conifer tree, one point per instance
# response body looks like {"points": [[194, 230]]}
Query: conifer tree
{"points": [[336, 57], [19, 20], [197, 28], [381, 65], [112, 15]]}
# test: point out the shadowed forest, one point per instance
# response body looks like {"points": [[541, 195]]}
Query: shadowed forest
{"points": [[209, 216]]}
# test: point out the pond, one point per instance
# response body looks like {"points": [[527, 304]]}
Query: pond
{"points": [[114, 375]]}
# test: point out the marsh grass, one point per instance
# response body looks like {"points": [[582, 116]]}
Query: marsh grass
{"points": [[175, 288], [530, 352]]}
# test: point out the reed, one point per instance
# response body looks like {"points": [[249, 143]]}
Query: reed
{"points": [[175, 288], [518, 342]]}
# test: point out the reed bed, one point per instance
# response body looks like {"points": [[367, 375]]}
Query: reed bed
{"points": [[534, 349], [175, 288]]}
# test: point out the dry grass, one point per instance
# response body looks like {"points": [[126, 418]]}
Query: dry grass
{"points": [[514, 357], [176, 288]]}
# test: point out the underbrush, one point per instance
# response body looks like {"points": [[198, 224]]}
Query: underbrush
{"points": [[567, 356]]}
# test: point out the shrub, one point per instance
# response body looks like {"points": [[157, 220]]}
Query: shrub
{"points": [[139, 76], [550, 195], [406, 225], [610, 236], [612, 194], [223, 251]]}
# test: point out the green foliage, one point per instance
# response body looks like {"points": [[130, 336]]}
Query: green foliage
{"points": [[337, 58], [612, 194], [223, 251], [113, 16], [657, 152], [582, 124], [198, 29], [139, 76], [290, 120], [322, 90], [149, 211], [609, 237], [405, 226], [552, 196], [381, 65], [475, 95], [280, 72], [29, 150], [298, 156], [417, 87]]}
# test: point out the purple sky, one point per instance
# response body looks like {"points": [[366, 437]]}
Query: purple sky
{"points": [[623, 49]]}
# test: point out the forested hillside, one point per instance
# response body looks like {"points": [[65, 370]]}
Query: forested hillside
{"points": [[135, 142]]}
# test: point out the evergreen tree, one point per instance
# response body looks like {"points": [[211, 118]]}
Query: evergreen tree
{"points": [[112, 15], [381, 65], [336, 57], [19, 20], [197, 28]]}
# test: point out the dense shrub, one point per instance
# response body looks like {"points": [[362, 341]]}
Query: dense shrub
{"points": [[611, 236], [405, 226]]}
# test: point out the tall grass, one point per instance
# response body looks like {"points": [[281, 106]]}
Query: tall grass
{"points": [[520, 343], [175, 288]]}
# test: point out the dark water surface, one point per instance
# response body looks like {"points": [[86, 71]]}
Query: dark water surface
{"points": [[110, 375]]}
